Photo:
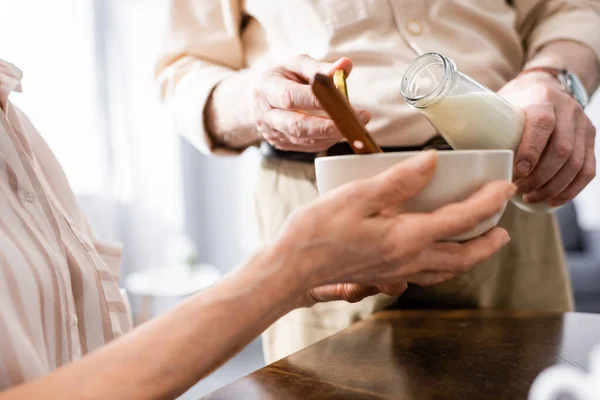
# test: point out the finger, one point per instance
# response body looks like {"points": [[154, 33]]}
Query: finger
{"points": [[343, 63], [567, 173], [457, 218], [290, 95], [302, 126], [307, 67], [307, 145], [431, 278], [557, 152], [363, 115], [398, 183], [300, 145], [583, 178], [350, 292], [273, 136], [393, 289], [540, 121], [282, 142], [457, 258]]}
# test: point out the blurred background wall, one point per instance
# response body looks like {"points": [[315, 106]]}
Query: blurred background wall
{"points": [[88, 87]]}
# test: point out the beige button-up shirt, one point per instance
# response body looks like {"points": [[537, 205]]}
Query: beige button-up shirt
{"points": [[59, 292], [208, 40]]}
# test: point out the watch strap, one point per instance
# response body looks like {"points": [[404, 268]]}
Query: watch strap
{"points": [[570, 82]]}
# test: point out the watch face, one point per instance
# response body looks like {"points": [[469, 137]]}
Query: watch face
{"points": [[577, 89]]}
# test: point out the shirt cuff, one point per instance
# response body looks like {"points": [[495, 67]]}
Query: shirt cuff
{"points": [[186, 103], [581, 26]]}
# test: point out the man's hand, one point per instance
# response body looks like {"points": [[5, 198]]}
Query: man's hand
{"points": [[284, 101], [276, 104], [352, 244], [555, 160]]}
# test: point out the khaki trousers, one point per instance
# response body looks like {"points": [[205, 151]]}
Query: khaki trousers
{"points": [[529, 273]]}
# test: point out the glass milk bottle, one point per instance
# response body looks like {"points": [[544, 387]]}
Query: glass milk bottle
{"points": [[467, 114]]}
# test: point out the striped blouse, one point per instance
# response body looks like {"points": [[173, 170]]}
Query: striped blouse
{"points": [[59, 291]]}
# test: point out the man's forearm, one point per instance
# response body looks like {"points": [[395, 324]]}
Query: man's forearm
{"points": [[166, 356], [228, 111], [573, 56]]}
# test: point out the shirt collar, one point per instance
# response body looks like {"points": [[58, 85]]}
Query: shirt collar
{"points": [[10, 80]]}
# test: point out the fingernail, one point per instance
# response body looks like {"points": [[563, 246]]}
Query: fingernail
{"points": [[512, 190], [523, 167], [530, 199], [365, 117], [505, 240]]}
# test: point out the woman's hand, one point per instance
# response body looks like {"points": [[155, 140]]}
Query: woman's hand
{"points": [[353, 244]]}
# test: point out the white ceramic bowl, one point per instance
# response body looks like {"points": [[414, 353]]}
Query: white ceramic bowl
{"points": [[458, 175]]}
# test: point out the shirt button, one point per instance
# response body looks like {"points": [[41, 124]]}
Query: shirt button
{"points": [[414, 27], [29, 196]]}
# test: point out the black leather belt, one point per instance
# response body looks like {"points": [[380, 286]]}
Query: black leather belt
{"points": [[343, 148]]}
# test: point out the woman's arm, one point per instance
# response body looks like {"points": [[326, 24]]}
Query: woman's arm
{"points": [[346, 236], [166, 356]]}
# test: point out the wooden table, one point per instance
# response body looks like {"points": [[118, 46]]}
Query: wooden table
{"points": [[427, 355]]}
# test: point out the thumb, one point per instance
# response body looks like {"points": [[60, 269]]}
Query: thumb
{"points": [[307, 67], [400, 182], [343, 63], [540, 122]]}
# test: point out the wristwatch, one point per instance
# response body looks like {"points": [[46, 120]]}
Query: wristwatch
{"points": [[571, 82]]}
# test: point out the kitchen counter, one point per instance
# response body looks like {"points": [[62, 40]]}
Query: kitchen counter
{"points": [[427, 355]]}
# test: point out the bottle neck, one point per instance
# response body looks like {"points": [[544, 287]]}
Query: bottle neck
{"points": [[428, 79]]}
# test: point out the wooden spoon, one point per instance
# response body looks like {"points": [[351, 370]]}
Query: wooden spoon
{"points": [[343, 115]]}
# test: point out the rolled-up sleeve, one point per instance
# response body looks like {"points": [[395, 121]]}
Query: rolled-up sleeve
{"points": [[543, 21], [202, 47]]}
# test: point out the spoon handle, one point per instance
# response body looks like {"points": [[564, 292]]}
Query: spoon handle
{"points": [[343, 115]]}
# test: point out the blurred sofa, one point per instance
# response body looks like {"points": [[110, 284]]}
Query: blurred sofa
{"points": [[583, 256]]}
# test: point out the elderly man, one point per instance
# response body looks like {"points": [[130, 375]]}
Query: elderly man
{"points": [[234, 74], [59, 284]]}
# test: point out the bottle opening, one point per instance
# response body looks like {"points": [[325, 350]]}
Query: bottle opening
{"points": [[427, 80]]}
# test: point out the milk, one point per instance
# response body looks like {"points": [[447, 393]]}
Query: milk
{"points": [[481, 120], [477, 120]]}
